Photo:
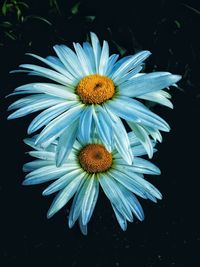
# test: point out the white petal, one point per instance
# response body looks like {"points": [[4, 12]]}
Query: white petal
{"points": [[50, 74], [116, 197], [58, 125], [120, 218], [142, 135], [66, 142], [84, 63], [88, 199], [104, 58], [85, 124], [50, 89], [131, 63], [69, 59], [96, 49], [103, 125], [49, 114], [59, 67], [36, 106], [62, 182], [147, 83], [121, 138], [64, 196]]}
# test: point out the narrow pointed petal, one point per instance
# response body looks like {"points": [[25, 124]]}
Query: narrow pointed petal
{"points": [[131, 63], [111, 61], [78, 201], [104, 58], [121, 138], [103, 125], [134, 111], [83, 227], [36, 106], [66, 142], [90, 56], [120, 218], [51, 74], [49, 114], [25, 101], [142, 135], [116, 197], [64, 196], [128, 182], [63, 181], [69, 60], [158, 97], [32, 165], [148, 83], [96, 49], [121, 79], [83, 60], [58, 125], [141, 168], [156, 135], [57, 65], [134, 203], [50, 89], [88, 199], [43, 175], [85, 124], [56, 61]]}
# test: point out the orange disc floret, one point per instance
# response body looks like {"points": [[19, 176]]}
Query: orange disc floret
{"points": [[95, 89], [95, 158]]}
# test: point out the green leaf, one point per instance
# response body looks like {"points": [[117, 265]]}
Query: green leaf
{"points": [[121, 49], [6, 7], [90, 18], [11, 35], [75, 8], [192, 8], [177, 24], [38, 18], [23, 4], [18, 13], [6, 24]]}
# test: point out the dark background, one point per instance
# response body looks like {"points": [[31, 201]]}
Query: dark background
{"points": [[170, 234]]}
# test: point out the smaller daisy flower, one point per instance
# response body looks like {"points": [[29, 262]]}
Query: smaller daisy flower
{"points": [[88, 166], [91, 88]]}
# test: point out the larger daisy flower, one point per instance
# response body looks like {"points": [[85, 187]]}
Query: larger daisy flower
{"points": [[91, 89], [88, 166]]}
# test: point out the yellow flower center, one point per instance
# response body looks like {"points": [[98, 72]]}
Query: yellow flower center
{"points": [[95, 158], [95, 89]]}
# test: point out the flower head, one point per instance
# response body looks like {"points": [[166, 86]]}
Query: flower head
{"points": [[91, 90], [88, 166]]}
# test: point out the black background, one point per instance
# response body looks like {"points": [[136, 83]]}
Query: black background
{"points": [[169, 235]]}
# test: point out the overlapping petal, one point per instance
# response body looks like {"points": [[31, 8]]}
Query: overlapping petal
{"points": [[120, 183], [60, 105]]}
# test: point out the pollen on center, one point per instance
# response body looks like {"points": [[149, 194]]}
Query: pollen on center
{"points": [[95, 158], [95, 89]]}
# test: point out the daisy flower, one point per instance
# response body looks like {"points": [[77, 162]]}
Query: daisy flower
{"points": [[88, 167], [90, 89]]}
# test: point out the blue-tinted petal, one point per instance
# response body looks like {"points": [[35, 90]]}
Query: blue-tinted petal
{"points": [[103, 125], [142, 135], [58, 125], [63, 181], [66, 142], [49, 114], [147, 83], [36, 106], [64, 196], [104, 59], [96, 49]]}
